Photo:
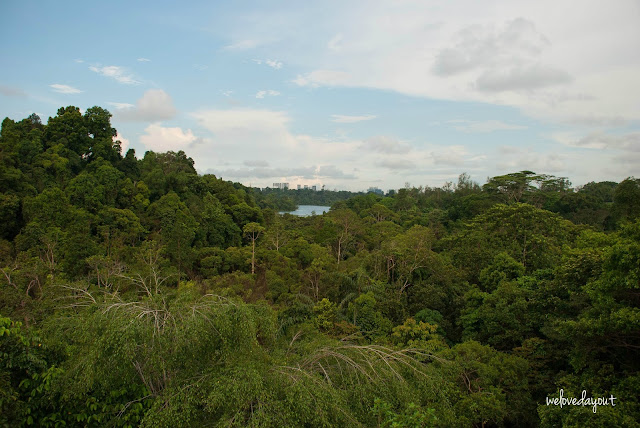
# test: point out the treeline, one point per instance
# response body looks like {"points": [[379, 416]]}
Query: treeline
{"points": [[289, 199], [139, 293]]}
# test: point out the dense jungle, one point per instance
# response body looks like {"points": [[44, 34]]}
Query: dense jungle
{"points": [[137, 292]]}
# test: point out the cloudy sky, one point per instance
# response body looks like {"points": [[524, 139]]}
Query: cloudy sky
{"points": [[346, 94]]}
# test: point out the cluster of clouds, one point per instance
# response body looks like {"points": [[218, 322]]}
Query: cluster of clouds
{"points": [[340, 118], [155, 105], [472, 126], [566, 67], [572, 70], [275, 64], [577, 74], [119, 74], [347, 163], [64, 89], [269, 92]]}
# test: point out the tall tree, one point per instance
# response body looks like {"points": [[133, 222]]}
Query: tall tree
{"points": [[252, 231]]}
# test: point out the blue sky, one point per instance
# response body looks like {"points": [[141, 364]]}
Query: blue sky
{"points": [[345, 94]]}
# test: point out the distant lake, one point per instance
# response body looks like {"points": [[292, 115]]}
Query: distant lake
{"points": [[307, 210]]}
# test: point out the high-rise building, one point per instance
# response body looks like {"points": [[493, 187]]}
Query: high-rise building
{"points": [[281, 186]]}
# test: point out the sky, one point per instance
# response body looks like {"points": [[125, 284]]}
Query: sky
{"points": [[346, 94]]}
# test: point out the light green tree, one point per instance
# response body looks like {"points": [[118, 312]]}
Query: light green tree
{"points": [[253, 231]]}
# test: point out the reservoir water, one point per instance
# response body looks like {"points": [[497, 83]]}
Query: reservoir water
{"points": [[307, 210]]}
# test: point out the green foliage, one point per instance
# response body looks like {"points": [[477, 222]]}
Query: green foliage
{"points": [[412, 416], [626, 199], [529, 235], [367, 318], [289, 199], [503, 268], [10, 216], [418, 334], [151, 295], [491, 387], [502, 318], [326, 314]]}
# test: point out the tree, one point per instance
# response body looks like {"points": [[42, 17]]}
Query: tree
{"points": [[347, 224], [406, 254], [379, 213], [319, 266], [626, 199], [531, 236], [367, 317], [177, 227], [253, 231], [129, 165], [98, 123], [69, 128], [490, 387], [216, 226], [466, 185], [277, 236], [10, 216], [512, 186]]}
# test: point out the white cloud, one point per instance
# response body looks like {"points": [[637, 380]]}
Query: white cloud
{"points": [[270, 62], [155, 105], [243, 45], [286, 173], [78, 60], [530, 76], [335, 43], [509, 150], [339, 118], [274, 64], [545, 163], [9, 91], [385, 145], [452, 155], [270, 92], [120, 106], [64, 89], [144, 60], [234, 121], [601, 140], [486, 47], [273, 147], [331, 171], [260, 163], [161, 139], [471, 126], [124, 142], [400, 164], [239, 131], [506, 53], [115, 72], [323, 78]]}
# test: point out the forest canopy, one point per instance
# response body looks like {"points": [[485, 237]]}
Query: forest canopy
{"points": [[137, 292]]}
